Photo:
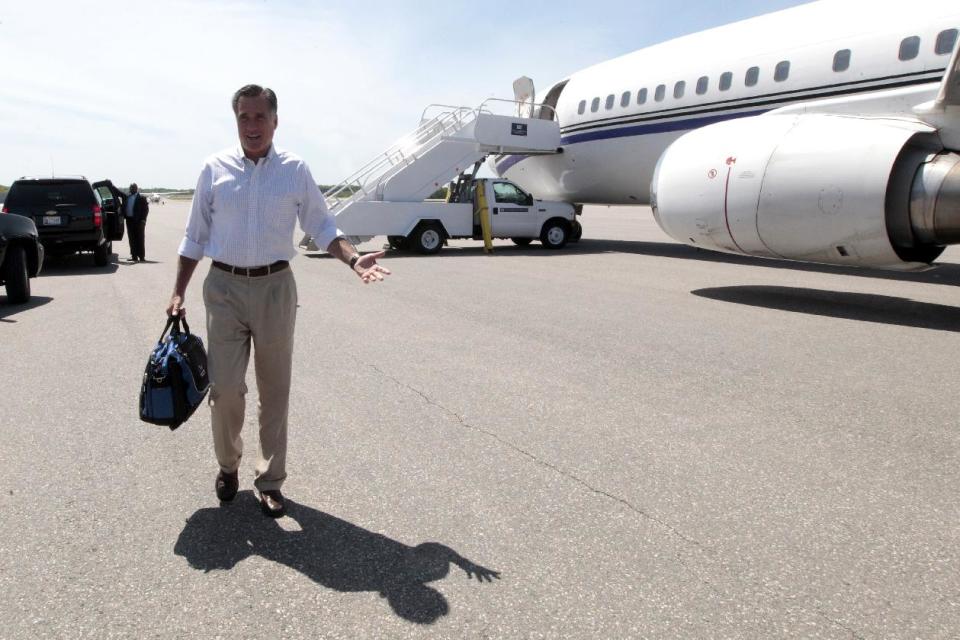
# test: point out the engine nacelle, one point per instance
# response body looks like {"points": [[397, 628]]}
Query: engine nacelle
{"points": [[817, 188]]}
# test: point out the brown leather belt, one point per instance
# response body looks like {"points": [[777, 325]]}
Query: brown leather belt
{"points": [[253, 272]]}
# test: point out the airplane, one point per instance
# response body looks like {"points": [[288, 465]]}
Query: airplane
{"points": [[159, 197], [828, 132]]}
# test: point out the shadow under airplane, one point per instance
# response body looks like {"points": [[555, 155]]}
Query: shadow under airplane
{"points": [[842, 304], [329, 551], [942, 273]]}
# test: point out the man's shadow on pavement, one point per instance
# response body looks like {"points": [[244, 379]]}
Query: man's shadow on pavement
{"points": [[330, 551]]}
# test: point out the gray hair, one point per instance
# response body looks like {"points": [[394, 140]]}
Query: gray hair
{"points": [[254, 91]]}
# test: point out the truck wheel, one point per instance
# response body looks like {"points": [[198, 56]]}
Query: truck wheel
{"points": [[16, 276], [555, 233], [521, 242], [577, 231], [101, 254], [397, 242], [427, 238]]}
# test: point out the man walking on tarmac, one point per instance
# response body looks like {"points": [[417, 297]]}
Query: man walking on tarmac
{"points": [[245, 206]]}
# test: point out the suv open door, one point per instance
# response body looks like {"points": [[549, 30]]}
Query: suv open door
{"points": [[110, 202]]}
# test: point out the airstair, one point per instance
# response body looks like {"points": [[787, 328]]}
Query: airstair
{"points": [[448, 141]]}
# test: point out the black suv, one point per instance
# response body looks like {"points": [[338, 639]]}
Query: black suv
{"points": [[21, 256], [71, 214]]}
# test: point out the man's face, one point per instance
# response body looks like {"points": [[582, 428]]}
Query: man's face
{"points": [[255, 124], [133, 188]]}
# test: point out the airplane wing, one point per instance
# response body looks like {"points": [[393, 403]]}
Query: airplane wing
{"points": [[949, 95], [944, 111]]}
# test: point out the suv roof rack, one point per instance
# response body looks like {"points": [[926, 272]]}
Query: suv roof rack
{"points": [[65, 177]]}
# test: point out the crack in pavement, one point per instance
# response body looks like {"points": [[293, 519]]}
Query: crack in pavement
{"points": [[852, 632], [544, 463], [705, 581]]}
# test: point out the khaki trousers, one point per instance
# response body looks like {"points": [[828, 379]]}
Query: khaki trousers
{"points": [[241, 310]]}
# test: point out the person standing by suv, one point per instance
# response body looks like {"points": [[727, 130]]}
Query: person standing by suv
{"points": [[135, 210]]}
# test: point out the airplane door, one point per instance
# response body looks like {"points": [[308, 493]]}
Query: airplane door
{"points": [[525, 95], [548, 110], [511, 211]]}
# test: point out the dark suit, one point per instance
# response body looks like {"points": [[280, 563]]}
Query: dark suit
{"points": [[136, 224]]}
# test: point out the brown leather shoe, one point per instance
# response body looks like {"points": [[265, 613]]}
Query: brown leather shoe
{"points": [[272, 503], [227, 485]]}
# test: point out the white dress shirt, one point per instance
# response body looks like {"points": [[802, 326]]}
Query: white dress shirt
{"points": [[131, 200], [244, 213]]}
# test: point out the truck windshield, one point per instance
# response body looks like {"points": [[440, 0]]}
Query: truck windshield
{"points": [[507, 192]]}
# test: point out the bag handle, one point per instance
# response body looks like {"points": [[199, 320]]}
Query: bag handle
{"points": [[173, 326]]}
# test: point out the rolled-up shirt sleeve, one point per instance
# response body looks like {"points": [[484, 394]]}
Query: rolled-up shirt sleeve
{"points": [[197, 234], [315, 219]]}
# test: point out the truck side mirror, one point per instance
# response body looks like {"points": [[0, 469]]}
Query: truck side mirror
{"points": [[529, 200]]}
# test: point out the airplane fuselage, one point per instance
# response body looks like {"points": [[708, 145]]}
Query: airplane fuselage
{"points": [[618, 117]]}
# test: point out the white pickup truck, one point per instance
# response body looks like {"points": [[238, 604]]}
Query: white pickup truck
{"points": [[425, 226]]}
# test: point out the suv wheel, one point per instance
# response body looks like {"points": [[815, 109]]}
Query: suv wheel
{"points": [[101, 254], [16, 276]]}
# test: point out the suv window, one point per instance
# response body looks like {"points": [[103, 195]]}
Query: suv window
{"points": [[507, 192], [43, 194], [105, 195]]}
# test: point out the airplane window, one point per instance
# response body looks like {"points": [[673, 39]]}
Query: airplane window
{"points": [[841, 60], [625, 99], [909, 48], [702, 85], [582, 107], [660, 92], [610, 100], [641, 96], [679, 88], [782, 71], [752, 76], [946, 41], [726, 80], [595, 105]]}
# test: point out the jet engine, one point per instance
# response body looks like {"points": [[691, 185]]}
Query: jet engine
{"points": [[818, 188]]}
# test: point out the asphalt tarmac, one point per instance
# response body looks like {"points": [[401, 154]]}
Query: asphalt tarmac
{"points": [[628, 438]]}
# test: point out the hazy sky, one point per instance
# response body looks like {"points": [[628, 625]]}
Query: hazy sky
{"points": [[140, 90]]}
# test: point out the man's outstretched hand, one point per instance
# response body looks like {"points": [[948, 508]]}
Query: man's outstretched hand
{"points": [[368, 269], [482, 574]]}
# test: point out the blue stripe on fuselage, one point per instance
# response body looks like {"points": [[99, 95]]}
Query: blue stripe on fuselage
{"points": [[508, 163], [637, 130], [656, 127]]}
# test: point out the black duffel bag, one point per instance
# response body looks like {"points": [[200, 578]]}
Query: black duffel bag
{"points": [[175, 380]]}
